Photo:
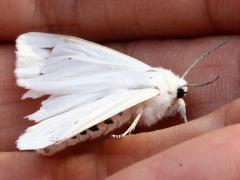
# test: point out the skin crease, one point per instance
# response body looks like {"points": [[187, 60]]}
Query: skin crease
{"points": [[201, 149]]}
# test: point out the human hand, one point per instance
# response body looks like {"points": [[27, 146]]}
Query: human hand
{"points": [[196, 150]]}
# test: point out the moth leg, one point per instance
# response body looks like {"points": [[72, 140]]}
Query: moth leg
{"points": [[131, 127], [182, 109]]}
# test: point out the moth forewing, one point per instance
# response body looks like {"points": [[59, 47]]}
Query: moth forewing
{"points": [[48, 64]]}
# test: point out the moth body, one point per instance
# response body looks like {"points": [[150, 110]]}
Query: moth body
{"points": [[92, 91], [163, 105]]}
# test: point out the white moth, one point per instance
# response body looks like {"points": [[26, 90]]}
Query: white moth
{"points": [[93, 90]]}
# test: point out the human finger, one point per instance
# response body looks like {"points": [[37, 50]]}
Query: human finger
{"points": [[126, 19]]}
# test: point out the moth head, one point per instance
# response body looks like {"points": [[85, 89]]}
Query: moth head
{"points": [[182, 90]]}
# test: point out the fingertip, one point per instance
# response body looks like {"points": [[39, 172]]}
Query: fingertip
{"points": [[211, 156]]}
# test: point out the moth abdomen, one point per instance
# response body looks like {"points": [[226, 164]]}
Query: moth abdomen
{"points": [[93, 132], [108, 121], [94, 128], [83, 132]]}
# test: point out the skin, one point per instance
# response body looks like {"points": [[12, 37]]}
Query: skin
{"points": [[205, 148]]}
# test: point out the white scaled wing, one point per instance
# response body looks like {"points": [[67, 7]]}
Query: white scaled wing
{"points": [[75, 64], [63, 126], [87, 84]]}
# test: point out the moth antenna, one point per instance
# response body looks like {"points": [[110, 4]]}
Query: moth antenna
{"points": [[204, 84], [202, 57]]}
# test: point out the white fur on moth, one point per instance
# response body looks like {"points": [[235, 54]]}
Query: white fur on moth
{"points": [[93, 90]]}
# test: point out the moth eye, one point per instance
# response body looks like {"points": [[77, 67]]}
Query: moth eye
{"points": [[180, 93]]}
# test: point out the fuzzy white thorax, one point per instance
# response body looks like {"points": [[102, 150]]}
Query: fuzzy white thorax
{"points": [[166, 103]]}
